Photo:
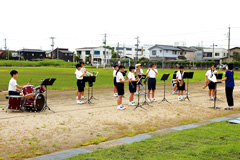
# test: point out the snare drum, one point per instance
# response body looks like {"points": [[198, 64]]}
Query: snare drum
{"points": [[39, 89], [15, 103], [28, 91]]}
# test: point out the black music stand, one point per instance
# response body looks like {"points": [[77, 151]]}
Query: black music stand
{"points": [[188, 75], [48, 82], [218, 77], [145, 95], [139, 83], [90, 80], [94, 80], [164, 78]]}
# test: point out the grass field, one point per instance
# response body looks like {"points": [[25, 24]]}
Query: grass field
{"points": [[214, 141], [66, 79]]}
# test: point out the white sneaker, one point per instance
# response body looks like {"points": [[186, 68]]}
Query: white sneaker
{"points": [[149, 100], [183, 99], [83, 97], [79, 102], [77, 98], [115, 94], [173, 92], [131, 104], [154, 100], [121, 107], [179, 99]]}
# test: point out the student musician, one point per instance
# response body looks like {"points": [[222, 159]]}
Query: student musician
{"points": [[179, 78], [114, 81], [152, 73], [83, 97], [138, 72], [211, 85], [229, 85], [80, 83], [13, 87], [83, 70], [132, 85], [120, 86], [174, 83]]}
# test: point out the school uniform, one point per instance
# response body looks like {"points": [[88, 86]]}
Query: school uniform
{"points": [[229, 86], [152, 79], [12, 87], [80, 82], [209, 74], [120, 86], [132, 85], [180, 76], [114, 77]]}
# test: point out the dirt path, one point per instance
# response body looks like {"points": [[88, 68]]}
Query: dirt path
{"points": [[27, 134]]}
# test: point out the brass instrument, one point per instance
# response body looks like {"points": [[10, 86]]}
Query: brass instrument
{"points": [[138, 72], [181, 82], [88, 73], [209, 81]]}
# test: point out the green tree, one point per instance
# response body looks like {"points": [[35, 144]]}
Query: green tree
{"points": [[115, 55], [6, 54], [236, 56]]}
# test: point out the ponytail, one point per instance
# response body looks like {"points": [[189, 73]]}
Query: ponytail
{"points": [[120, 67]]}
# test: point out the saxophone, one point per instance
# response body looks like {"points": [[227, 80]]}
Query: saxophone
{"points": [[182, 81], [138, 72], [209, 81]]}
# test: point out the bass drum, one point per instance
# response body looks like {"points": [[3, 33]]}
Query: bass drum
{"points": [[35, 104]]}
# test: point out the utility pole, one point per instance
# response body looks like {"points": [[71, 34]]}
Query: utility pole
{"points": [[52, 44], [229, 44], [105, 45], [213, 51], [6, 47], [137, 49]]}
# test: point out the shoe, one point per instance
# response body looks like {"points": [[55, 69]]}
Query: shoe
{"points": [[121, 107], [154, 100], [179, 99], [83, 97], [135, 93], [131, 104], [173, 92], [149, 100], [77, 98], [183, 99], [115, 94], [229, 108], [80, 102]]}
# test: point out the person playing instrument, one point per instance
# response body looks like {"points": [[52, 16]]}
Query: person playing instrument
{"points": [[174, 83], [211, 85], [114, 81], [152, 72], [82, 96], [83, 70], [80, 83], [120, 86], [229, 85], [181, 83], [138, 72], [13, 87], [132, 85]]}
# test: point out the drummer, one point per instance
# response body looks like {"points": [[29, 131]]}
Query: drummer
{"points": [[13, 87]]}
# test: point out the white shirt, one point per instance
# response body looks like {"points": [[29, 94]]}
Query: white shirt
{"points": [[12, 85], [114, 73], [79, 73], [141, 71], [119, 76], [131, 76], [179, 75], [76, 71], [209, 73], [152, 74]]}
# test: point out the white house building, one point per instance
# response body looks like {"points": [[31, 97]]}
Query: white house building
{"points": [[98, 55], [130, 51], [216, 55], [163, 52]]}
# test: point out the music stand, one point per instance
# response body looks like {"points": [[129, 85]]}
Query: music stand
{"points": [[188, 75], [145, 95], [218, 77], [139, 83], [164, 78], [94, 80], [90, 80], [48, 82]]}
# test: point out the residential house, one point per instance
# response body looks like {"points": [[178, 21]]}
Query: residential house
{"points": [[97, 54], [232, 50], [163, 52], [186, 53], [217, 55], [32, 54], [63, 53], [15, 54]]}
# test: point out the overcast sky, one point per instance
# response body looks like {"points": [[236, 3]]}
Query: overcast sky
{"points": [[82, 23]]}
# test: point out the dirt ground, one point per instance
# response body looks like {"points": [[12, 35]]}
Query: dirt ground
{"points": [[26, 134]]}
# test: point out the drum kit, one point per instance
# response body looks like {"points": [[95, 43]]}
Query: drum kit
{"points": [[33, 99]]}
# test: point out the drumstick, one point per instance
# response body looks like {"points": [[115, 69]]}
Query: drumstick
{"points": [[29, 81]]}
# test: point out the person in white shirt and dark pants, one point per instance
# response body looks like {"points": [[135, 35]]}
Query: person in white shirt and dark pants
{"points": [[132, 85], [80, 82], [179, 77], [152, 73]]}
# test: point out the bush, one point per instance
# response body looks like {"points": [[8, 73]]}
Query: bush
{"points": [[59, 63]]}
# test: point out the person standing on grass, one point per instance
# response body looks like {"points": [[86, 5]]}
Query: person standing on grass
{"points": [[120, 86], [229, 85], [211, 85], [152, 73], [79, 76], [114, 81], [132, 85], [179, 78]]}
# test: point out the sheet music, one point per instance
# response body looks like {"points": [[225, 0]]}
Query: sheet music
{"points": [[213, 79]]}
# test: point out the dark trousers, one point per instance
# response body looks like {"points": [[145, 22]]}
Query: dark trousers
{"points": [[229, 95]]}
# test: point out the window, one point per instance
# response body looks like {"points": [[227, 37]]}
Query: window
{"points": [[96, 52], [174, 52], [40, 55], [119, 48], [87, 52], [217, 54], [65, 54], [32, 54], [224, 54], [154, 52], [129, 49], [104, 52], [79, 52], [208, 54], [166, 51], [160, 51], [138, 49]]}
